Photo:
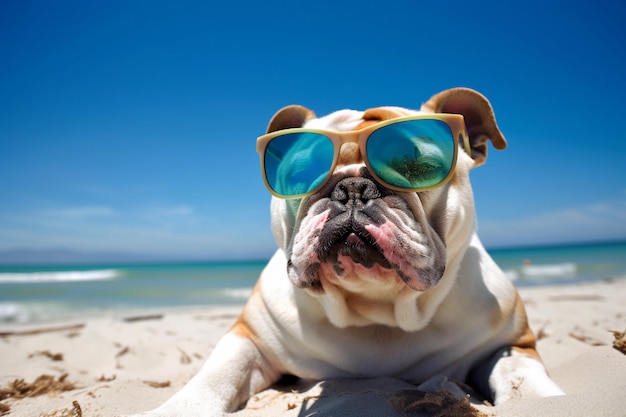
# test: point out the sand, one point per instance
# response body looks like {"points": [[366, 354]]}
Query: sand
{"points": [[123, 363]]}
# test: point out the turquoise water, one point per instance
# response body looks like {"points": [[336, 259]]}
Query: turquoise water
{"points": [[562, 264], [36, 293], [56, 292]]}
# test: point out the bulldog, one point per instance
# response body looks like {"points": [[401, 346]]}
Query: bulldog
{"points": [[379, 270]]}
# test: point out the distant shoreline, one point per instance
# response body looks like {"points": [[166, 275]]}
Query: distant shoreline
{"points": [[18, 257]]}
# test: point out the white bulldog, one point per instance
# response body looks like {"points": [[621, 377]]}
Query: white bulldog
{"points": [[370, 280]]}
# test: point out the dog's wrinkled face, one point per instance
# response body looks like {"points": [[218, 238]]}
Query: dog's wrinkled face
{"points": [[358, 237], [356, 233]]}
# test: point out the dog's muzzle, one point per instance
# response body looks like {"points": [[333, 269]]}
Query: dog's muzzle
{"points": [[357, 224], [352, 208]]}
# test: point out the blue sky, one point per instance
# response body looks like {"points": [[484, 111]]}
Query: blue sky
{"points": [[130, 126]]}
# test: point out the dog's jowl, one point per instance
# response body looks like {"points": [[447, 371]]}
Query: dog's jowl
{"points": [[379, 270]]}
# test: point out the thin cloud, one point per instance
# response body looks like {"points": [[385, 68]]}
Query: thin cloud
{"points": [[167, 217], [598, 221], [616, 211], [174, 211], [80, 212]]}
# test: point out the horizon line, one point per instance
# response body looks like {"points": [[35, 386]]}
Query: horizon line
{"points": [[66, 256]]}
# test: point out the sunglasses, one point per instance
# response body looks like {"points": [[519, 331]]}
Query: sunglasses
{"points": [[409, 154]]}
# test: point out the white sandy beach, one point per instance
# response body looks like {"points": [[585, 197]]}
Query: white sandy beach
{"points": [[107, 366]]}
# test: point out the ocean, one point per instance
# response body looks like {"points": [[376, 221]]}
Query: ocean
{"points": [[33, 294]]}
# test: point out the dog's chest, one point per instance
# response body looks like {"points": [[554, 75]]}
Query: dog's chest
{"points": [[372, 351]]}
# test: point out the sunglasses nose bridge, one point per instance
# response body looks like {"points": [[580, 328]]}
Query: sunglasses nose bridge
{"points": [[349, 149]]}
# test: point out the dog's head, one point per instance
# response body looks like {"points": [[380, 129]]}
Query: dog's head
{"points": [[356, 239]]}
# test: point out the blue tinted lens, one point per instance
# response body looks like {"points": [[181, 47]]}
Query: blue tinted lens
{"points": [[297, 163], [412, 154]]}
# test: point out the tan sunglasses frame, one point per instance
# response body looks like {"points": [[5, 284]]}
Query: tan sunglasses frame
{"points": [[455, 122]]}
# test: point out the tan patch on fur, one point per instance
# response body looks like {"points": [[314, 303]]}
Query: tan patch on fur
{"points": [[379, 114], [241, 326], [350, 154], [526, 342]]}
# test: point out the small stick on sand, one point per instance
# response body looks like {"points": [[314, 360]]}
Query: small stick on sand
{"points": [[28, 332]]}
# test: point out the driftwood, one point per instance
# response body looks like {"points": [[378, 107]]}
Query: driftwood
{"points": [[142, 318], [28, 332]]}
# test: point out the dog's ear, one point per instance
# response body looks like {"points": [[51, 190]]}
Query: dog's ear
{"points": [[479, 118], [290, 117]]}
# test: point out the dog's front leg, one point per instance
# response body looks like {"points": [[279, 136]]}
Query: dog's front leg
{"points": [[235, 371], [515, 374]]}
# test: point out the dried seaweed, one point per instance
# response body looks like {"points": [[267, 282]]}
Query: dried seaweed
{"points": [[122, 352], [54, 356], [435, 404], [580, 335], [620, 341], [75, 411], [155, 384], [184, 357], [44, 384]]}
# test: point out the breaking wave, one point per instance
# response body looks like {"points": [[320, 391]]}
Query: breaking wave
{"points": [[553, 270], [546, 271], [57, 276]]}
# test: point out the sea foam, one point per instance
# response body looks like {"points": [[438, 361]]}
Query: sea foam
{"points": [[550, 270], [57, 276]]}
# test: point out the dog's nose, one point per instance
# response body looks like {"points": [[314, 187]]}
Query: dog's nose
{"points": [[355, 190]]}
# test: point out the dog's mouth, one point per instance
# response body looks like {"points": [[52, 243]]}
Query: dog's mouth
{"points": [[350, 238]]}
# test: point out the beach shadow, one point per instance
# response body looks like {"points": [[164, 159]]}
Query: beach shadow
{"points": [[386, 396]]}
